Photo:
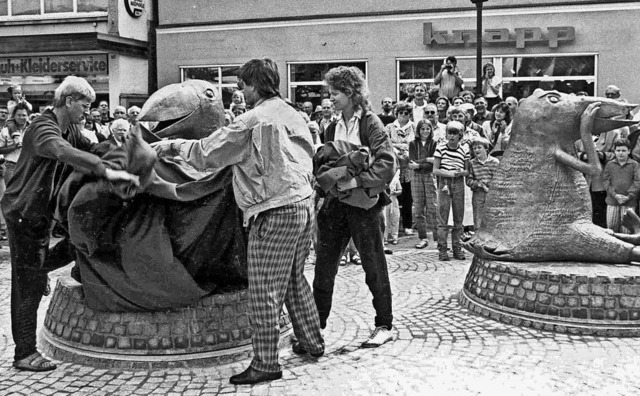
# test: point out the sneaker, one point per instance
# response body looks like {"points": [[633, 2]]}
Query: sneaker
{"points": [[378, 337], [394, 241], [355, 259], [458, 254], [343, 261], [422, 244], [408, 231], [443, 255]]}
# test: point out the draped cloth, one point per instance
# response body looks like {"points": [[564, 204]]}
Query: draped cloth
{"points": [[177, 240]]}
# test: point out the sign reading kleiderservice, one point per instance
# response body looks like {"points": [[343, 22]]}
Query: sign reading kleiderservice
{"points": [[78, 65], [135, 8]]}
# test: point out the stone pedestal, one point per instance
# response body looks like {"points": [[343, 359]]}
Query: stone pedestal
{"points": [[215, 331], [568, 297]]}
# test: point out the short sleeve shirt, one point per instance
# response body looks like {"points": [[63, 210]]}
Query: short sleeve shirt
{"points": [[452, 159]]}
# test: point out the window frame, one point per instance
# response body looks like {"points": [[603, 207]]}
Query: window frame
{"points": [[219, 84], [497, 63], [294, 84], [44, 15]]}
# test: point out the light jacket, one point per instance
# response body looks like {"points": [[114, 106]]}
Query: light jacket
{"points": [[271, 152]]}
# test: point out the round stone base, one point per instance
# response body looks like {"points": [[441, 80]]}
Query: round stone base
{"points": [[215, 331], [567, 297]]}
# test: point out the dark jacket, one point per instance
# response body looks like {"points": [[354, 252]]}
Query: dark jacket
{"points": [[419, 154], [31, 191], [372, 135]]}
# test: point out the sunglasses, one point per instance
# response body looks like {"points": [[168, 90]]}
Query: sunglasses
{"points": [[404, 112], [430, 112]]}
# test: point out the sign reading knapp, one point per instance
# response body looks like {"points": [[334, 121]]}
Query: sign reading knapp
{"points": [[135, 8], [522, 36]]}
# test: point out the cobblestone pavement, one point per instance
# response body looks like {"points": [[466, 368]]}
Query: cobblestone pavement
{"points": [[439, 348]]}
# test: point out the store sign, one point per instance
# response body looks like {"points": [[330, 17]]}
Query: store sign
{"points": [[520, 36], [78, 65], [135, 8]]}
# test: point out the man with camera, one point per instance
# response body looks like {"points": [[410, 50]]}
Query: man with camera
{"points": [[449, 78]]}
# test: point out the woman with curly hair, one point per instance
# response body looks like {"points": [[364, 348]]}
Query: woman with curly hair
{"points": [[339, 220]]}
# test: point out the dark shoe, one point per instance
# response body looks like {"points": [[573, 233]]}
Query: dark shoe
{"points": [[253, 376], [443, 255], [300, 350], [388, 251], [458, 254]]}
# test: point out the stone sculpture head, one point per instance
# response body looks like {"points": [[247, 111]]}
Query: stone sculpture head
{"points": [[190, 110], [553, 117]]}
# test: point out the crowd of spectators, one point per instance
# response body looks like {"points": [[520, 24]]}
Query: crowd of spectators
{"points": [[442, 179]]}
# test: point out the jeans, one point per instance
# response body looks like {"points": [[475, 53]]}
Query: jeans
{"points": [[337, 223], [392, 219], [477, 200], [451, 198], [31, 261], [406, 203]]}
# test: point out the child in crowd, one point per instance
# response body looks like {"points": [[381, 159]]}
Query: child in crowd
{"points": [[392, 211], [423, 188], [481, 171], [621, 178], [450, 165]]}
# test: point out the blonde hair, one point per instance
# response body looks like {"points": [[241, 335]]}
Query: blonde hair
{"points": [[76, 87]]}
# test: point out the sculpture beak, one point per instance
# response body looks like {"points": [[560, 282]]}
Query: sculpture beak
{"points": [[611, 115], [189, 110]]}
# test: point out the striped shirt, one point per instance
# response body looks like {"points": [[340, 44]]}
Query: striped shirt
{"points": [[481, 172], [452, 159]]}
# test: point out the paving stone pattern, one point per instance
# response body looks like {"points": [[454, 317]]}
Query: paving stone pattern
{"points": [[440, 348]]}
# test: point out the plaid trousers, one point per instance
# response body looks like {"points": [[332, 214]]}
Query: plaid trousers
{"points": [[279, 243], [425, 202]]}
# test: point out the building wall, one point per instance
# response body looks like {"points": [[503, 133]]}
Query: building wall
{"points": [[602, 29], [226, 11]]}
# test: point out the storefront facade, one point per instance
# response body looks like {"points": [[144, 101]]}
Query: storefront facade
{"points": [[103, 41], [570, 46]]}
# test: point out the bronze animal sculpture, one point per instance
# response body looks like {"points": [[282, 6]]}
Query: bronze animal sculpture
{"points": [[538, 208]]}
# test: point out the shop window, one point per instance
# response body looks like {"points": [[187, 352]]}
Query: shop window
{"points": [[224, 77], [39, 7], [413, 71], [306, 80], [92, 5], [25, 7], [521, 74], [54, 6], [568, 74]]}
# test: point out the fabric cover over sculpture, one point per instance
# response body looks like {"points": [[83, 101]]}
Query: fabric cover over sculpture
{"points": [[178, 239]]}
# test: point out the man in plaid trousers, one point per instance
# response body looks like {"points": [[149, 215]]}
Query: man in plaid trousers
{"points": [[271, 152]]}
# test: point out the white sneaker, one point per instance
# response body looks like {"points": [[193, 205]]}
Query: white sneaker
{"points": [[408, 231], [378, 337]]}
